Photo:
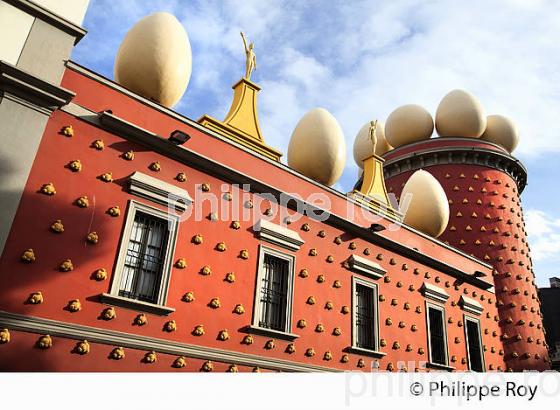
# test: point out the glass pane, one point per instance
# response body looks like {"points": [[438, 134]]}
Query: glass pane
{"points": [[274, 293], [144, 259], [437, 336], [475, 351], [365, 317]]}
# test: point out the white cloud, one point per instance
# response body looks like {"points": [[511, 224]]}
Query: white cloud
{"points": [[544, 235], [544, 238], [360, 59]]}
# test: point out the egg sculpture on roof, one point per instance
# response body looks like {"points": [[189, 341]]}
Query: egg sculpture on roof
{"points": [[502, 131], [155, 59], [460, 114], [317, 148], [363, 146], [407, 124], [424, 204]]}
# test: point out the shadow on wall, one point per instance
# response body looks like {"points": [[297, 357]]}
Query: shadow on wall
{"points": [[56, 229], [7, 194]]}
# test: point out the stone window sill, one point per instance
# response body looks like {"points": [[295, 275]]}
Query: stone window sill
{"points": [[147, 307], [261, 331], [440, 366], [365, 352]]}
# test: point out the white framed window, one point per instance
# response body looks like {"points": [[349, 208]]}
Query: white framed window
{"points": [[365, 315], [143, 269], [437, 335], [274, 293], [473, 338]]}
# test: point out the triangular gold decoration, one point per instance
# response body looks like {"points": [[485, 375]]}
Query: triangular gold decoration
{"points": [[242, 122], [372, 192]]}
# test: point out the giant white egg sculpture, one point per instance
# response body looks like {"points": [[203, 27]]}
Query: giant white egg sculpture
{"points": [[363, 146], [502, 131], [460, 114], [424, 204], [407, 124], [317, 148], [155, 59]]}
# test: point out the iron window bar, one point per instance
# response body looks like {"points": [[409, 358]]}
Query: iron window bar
{"points": [[437, 337], [365, 317], [274, 293], [475, 350], [144, 259]]}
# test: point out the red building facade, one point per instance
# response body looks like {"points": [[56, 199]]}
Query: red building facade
{"points": [[212, 286], [133, 238]]}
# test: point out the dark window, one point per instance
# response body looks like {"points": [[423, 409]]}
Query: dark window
{"points": [[437, 336], [365, 317], [274, 292], [144, 259], [475, 351]]}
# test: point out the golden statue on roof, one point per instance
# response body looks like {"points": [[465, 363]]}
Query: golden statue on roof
{"points": [[241, 124], [251, 58], [372, 136], [370, 190]]}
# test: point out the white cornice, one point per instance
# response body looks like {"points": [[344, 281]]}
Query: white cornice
{"points": [[159, 191], [434, 292], [366, 267], [39, 94], [278, 235], [470, 305]]}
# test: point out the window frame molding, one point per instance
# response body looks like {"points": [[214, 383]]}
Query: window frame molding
{"points": [[483, 359], [470, 305], [278, 235], [354, 331], [365, 267], [254, 326], [434, 293], [158, 191], [113, 297], [431, 363]]}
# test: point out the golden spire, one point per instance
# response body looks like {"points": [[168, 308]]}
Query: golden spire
{"points": [[372, 192], [242, 122]]}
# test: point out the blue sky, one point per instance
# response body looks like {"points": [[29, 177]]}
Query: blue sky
{"points": [[362, 59]]}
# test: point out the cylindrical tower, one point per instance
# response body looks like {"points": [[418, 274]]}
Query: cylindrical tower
{"points": [[483, 183]]}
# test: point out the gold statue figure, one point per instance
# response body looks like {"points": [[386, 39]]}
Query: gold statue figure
{"points": [[251, 58], [372, 136]]}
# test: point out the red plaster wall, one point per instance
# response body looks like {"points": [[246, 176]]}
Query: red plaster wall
{"points": [[471, 229], [62, 357], [38, 211]]}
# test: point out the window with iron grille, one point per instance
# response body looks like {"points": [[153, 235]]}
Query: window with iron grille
{"points": [[437, 336], [474, 348], [365, 316], [143, 268], [273, 302], [144, 259], [274, 292]]}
